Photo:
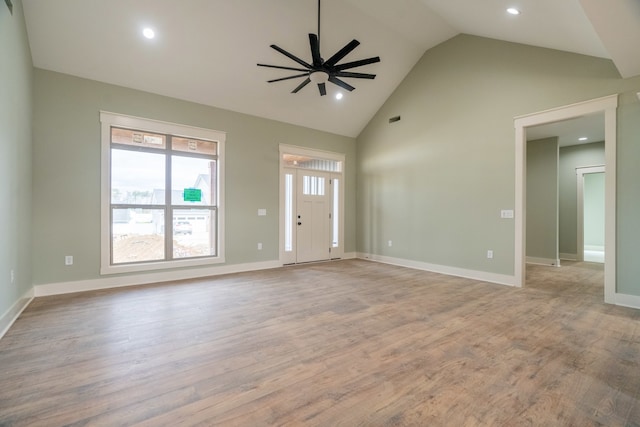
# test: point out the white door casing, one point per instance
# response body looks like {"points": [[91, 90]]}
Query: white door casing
{"points": [[311, 205], [608, 105]]}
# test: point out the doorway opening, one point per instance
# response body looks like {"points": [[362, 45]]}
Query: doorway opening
{"points": [[591, 210], [311, 205], [608, 106]]}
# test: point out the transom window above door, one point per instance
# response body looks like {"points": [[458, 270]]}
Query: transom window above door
{"points": [[307, 162]]}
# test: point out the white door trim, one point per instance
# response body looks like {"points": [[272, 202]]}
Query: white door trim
{"points": [[317, 154], [608, 105], [580, 173]]}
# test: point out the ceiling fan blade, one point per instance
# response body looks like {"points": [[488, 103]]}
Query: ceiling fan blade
{"points": [[287, 78], [357, 63], [355, 75], [315, 50], [322, 88], [290, 56], [281, 68], [303, 84], [342, 53], [340, 83]]}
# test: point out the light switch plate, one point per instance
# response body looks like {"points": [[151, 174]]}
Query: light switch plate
{"points": [[506, 213], [262, 212]]}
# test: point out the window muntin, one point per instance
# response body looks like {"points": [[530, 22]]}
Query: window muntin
{"points": [[144, 225]]}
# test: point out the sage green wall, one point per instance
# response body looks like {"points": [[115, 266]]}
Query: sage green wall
{"points": [[542, 199], [628, 194], [572, 157], [16, 81], [67, 171], [435, 181], [594, 211]]}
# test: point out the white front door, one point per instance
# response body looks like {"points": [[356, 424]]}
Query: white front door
{"points": [[311, 205], [313, 216]]}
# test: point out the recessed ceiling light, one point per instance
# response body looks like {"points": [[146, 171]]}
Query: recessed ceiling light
{"points": [[339, 95], [148, 33], [584, 138], [513, 11]]}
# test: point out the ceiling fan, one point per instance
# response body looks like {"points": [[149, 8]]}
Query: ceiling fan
{"points": [[321, 71]]}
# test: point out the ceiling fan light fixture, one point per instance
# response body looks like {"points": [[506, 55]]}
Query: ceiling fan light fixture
{"points": [[320, 71], [319, 77]]}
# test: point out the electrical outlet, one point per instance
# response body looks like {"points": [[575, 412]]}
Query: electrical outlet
{"points": [[13, 277], [68, 260], [490, 254], [390, 243], [259, 246]]}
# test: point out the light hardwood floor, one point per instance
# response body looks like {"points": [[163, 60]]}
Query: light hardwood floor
{"points": [[344, 343]]}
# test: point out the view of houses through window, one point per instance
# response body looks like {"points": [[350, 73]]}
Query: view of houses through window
{"points": [[164, 199]]}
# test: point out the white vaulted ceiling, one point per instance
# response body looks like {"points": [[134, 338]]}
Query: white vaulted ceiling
{"points": [[206, 51]]}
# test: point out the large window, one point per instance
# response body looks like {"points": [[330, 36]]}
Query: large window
{"points": [[162, 195]]}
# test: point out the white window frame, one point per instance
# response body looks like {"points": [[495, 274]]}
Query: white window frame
{"points": [[109, 120]]}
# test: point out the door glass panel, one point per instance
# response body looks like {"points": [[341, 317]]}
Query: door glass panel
{"points": [[313, 185], [288, 212], [335, 216]]}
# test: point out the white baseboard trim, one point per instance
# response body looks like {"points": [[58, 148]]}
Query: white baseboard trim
{"points": [[350, 255], [543, 261], [625, 300], [143, 279], [12, 314], [569, 257], [483, 276]]}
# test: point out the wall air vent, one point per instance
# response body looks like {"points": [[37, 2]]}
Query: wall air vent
{"points": [[394, 119]]}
